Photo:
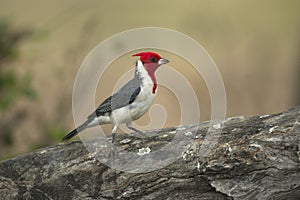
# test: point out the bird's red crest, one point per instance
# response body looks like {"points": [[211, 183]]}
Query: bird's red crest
{"points": [[148, 57]]}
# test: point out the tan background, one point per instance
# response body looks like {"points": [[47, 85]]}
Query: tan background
{"points": [[255, 44]]}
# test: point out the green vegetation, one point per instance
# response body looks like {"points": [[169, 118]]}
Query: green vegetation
{"points": [[11, 85], [56, 133], [11, 88]]}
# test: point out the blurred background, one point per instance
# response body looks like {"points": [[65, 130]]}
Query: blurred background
{"points": [[255, 44]]}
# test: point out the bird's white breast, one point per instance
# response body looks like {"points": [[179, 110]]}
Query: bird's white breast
{"points": [[142, 102]]}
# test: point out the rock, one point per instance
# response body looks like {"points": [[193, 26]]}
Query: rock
{"points": [[239, 158]]}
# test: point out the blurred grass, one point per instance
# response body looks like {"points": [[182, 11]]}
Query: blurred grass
{"points": [[12, 85], [11, 88]]}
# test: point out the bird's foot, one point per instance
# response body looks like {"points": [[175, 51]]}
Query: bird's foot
{"points": [[139, 133]]}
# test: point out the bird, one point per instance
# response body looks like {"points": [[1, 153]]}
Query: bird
{"points": [[131, 101]]}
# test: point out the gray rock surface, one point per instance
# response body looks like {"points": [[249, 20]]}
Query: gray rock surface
{"points": [[254, 158]]}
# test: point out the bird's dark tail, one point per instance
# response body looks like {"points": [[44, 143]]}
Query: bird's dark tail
{"points": [[76, 131], [70, 135]]}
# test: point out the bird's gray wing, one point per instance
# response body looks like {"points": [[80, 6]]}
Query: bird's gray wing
{"points": [[125, 96]]}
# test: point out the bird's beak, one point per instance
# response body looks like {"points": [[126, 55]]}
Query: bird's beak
{"points": [[162, 61]]}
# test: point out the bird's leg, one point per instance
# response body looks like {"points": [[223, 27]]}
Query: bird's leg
{"points": [[113, 148], [129, 125], [114, 131]]}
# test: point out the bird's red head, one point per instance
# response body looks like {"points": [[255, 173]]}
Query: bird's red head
{"points": [[151, 61], [151, 57]]}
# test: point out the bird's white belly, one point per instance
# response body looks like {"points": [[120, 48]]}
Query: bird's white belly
{"points": [[142, 103], [135, 110], [106, 119]]}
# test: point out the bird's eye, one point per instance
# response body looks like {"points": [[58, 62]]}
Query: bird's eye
{"points": [[152, 59]]}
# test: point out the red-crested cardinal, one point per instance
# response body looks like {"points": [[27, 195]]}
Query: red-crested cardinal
{"points": [[129, 103]]}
